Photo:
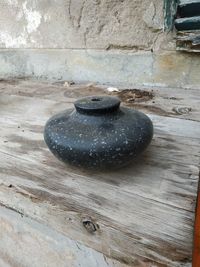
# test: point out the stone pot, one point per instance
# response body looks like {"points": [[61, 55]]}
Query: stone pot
{"points": [[98, 133]]}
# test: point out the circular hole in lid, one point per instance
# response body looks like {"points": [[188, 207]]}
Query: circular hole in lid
{"points": [[95, 99]]}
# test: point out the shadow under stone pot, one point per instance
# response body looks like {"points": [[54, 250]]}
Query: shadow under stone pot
{"points": [[98, 133]]}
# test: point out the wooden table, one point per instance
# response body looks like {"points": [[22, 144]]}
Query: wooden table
{"points": [[141, 216]]}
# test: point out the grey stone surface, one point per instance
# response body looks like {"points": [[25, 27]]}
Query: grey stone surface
{"points": [[77, 65], [111, 67], [98, 134]]}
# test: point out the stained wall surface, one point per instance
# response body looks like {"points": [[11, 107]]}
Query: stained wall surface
{"points": [[79, 24], [105, 41]]}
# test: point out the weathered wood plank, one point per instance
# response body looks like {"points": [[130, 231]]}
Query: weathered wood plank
{"points": [[188, 41], [172, 102], [187, 24], [39, 245], [189, 8], [145, 212]]}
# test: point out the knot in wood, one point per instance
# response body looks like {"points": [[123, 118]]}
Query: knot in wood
{"points": [[182, 110], [89, 225]]}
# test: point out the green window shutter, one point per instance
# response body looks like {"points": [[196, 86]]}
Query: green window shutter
{"points": [[170, 8], [187, 24], [188, 15]]}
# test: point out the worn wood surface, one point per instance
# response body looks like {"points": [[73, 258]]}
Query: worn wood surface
{"points": [[188, 41], [187, 24], [25, 242], [188, 8], [143, 214]]}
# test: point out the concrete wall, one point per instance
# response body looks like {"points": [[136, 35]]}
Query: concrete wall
{"points": [[107, 41], [80, 24]]}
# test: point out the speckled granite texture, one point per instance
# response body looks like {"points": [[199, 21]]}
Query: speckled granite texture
{"points": [[98, 133]]}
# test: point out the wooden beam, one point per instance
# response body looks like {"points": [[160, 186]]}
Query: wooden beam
{"points": [[186, 24], [188, 41]]}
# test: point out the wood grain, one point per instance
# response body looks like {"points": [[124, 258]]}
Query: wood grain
{"points": [[25, 242], [144, 214], [181, 103]]}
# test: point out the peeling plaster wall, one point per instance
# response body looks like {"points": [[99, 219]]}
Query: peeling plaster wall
{"points": [[107, 41], [92, 24]]}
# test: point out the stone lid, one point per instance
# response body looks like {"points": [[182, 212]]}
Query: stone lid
{"points": [[97, 104]]}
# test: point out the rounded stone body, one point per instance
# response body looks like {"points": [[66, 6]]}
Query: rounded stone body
{"points": [[98, 133]]}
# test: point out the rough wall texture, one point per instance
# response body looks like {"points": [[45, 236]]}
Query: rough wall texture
{"points": [[107, 41], [96, 24]]}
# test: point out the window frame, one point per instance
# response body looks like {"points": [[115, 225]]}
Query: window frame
{"points": [[170, 9]]}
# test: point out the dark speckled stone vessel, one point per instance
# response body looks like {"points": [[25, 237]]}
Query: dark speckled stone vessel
{"points": [[98, 133]]}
